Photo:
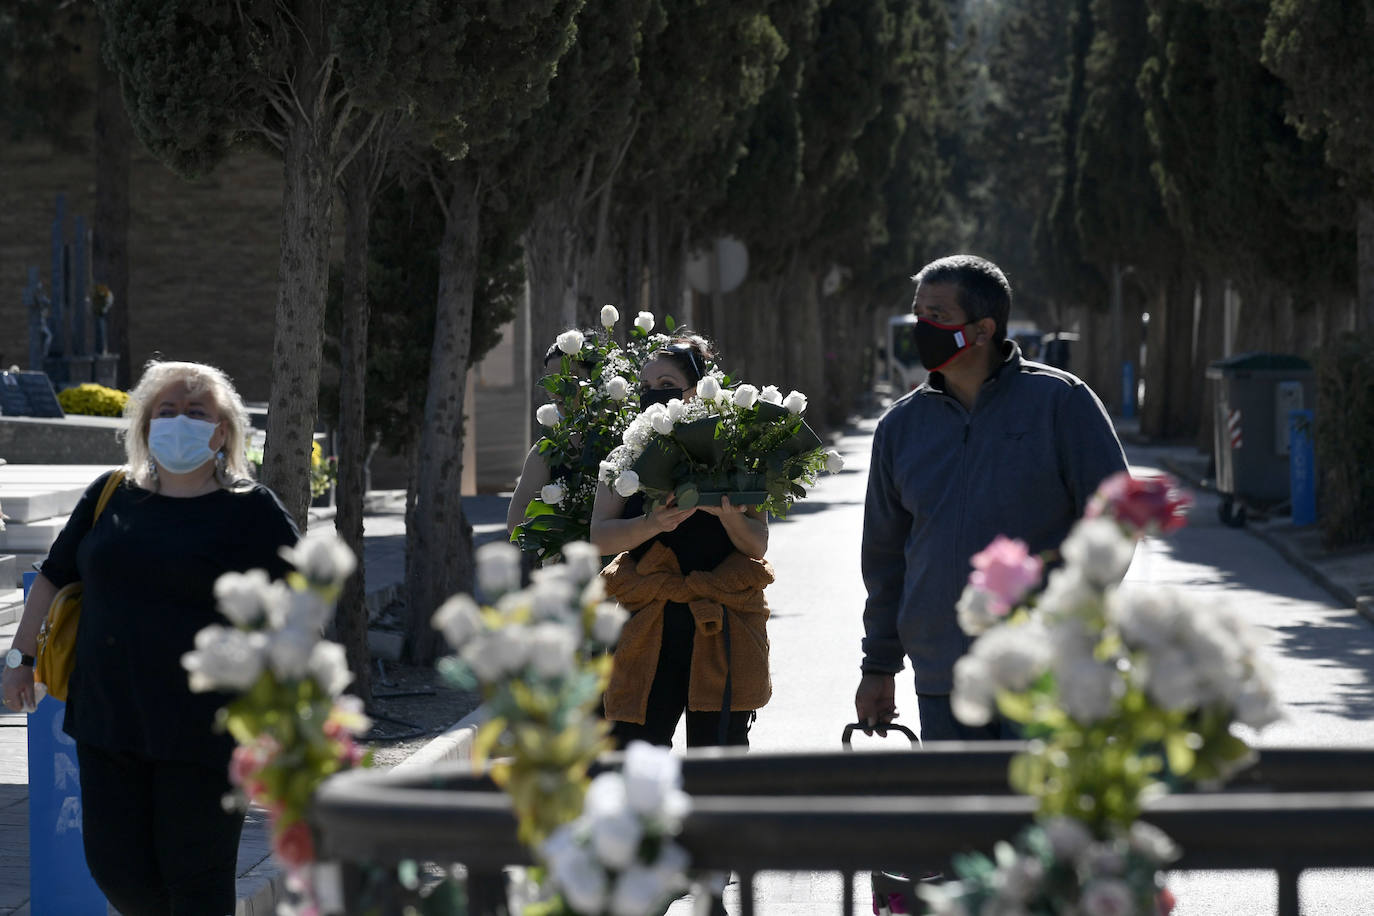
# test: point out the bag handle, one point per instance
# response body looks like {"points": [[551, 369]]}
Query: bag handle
{"points": [[880, 730], [114, 480]]}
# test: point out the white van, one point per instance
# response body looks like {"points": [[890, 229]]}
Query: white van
{"points": [[904, 369]]}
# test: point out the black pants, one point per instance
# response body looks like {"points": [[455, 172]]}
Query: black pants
{"points": [[157, 837], [938, 723], [668, 695]]}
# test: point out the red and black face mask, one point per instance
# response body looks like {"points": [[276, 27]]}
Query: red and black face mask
{"points": [[937, 344]]}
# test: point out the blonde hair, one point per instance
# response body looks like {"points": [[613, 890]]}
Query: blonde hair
{"points": [[200, 380]]}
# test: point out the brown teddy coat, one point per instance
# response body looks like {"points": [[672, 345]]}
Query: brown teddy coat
{"points": [[644, 588]]}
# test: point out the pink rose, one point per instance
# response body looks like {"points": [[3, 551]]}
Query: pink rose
{"points": [[294, 846], [1006, 570], [243, 764], [1141, 505]]}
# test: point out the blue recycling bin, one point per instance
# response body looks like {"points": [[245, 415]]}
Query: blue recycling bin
{"points": [[59, 882]]}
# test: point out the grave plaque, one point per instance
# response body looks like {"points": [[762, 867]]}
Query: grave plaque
{"points": [[28, 394]]}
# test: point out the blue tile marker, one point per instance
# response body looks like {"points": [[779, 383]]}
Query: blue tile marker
{"points": [[1302, 467], [59, 882]]}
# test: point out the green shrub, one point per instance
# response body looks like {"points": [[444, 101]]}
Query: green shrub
{"points": [[1345, 441], [92, 400]]}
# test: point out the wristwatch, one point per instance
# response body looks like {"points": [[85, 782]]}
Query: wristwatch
{"points": [[14, 658]]}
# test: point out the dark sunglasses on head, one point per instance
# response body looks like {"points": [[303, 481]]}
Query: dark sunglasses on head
{"points": [[681, 349]]}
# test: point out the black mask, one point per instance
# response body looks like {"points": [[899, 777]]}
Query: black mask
{"points": [[649, 396], [937, 344]]}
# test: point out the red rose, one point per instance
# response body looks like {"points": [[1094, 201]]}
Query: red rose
{"points": [[294, 846], [1165, 901], [1141, 505]]}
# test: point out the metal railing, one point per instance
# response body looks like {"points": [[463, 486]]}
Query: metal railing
{"points": [[1293, 809]]}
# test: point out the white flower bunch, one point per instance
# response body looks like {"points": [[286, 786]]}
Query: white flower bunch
{"points": [[1191, 660], [276, 628], [538, 633], [618, 857]]}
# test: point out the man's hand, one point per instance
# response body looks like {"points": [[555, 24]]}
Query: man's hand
{"points": [[875, 702]]}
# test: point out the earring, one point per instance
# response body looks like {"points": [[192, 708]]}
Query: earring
{"points": [[152, 472], [220, 462]]}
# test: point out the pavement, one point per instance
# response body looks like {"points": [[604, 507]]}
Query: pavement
{"points": [[259, 881], [1348, 575]]}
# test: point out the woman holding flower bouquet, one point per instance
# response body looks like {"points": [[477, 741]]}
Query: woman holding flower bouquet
{"points": [[536, 473], [154, 769], [693, 580]]}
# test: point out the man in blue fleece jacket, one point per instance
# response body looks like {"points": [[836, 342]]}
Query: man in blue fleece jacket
{"points": [[990, 444]]}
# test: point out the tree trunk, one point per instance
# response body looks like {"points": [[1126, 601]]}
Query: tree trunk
{"points": [[1364, 265], [110, 240], [1211, 344], [351, 615], [441, 562], [307, 208]]}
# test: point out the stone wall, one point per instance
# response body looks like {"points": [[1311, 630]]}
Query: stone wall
{"points": [[202, 255]]}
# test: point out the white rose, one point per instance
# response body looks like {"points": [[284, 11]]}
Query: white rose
{"points": [[1153, 843], [605, 472], [795, 402], [498, 568], [1099, 551], [675, 409], [708, 388], [617, 388], [608, 620], [552, 596], [329, 667], [637, 891], [225, 659], [609, 316], [583, 561], [570, 341], [581, 879], [459, 619], [552, 493], [288, 652], [645, 321], [551, 648], [605, 796], [1068, 838], [746, 395], [974, 690], [834, 461], [1015, 656], [241, 596], [1087, 690], [662, 422], [974, 611], [771, 395], [323, 558], [650, 773], [307, 610], [510, 646], [627, 484], [615, 838], [485, 664], [548, 415]]}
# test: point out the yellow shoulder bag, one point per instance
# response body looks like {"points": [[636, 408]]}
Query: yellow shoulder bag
{"points": [[56, 653]]}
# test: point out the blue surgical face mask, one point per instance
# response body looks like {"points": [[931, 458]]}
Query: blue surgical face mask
{"points": [[181, 443]]}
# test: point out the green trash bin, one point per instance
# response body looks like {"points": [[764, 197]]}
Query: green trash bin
{"points": [[1252, 394]]}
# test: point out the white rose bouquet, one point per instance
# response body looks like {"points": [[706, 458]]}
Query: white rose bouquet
{"points": [[596, 411], [293, 726], [749, 444], [540, 657], [1124, 692]]}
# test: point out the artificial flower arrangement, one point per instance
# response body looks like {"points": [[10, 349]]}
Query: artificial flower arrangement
{"points": [[594, 415], [1123, 691], [540, 657], [293, 725], [748, 444]]}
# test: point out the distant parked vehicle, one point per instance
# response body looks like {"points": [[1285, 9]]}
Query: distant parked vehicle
{"points": [[904, 369], [1057, 349]]}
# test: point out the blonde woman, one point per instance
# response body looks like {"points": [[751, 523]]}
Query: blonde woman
{"points": [[153, 767]]}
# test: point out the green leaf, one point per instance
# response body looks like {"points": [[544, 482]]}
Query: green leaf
{"points": [[670, 323], [1181, 757]]}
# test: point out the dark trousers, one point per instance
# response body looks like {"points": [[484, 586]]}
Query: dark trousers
{"points": [[668, 695], [157, 837], [938, 723]]}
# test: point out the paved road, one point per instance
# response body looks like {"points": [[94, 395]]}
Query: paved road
{"points": [[1322, 654]]}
